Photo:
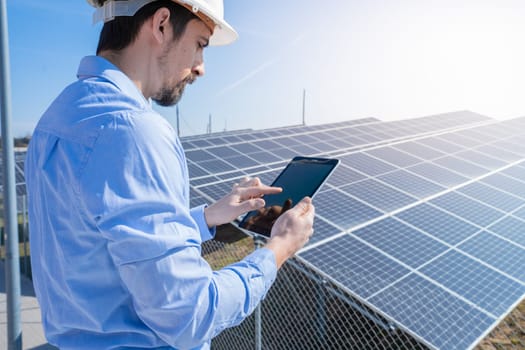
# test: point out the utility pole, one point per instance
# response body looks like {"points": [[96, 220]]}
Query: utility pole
{"points": [[12, 260], [208, 128], [304, 104]]}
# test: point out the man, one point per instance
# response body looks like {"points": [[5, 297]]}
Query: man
{"points": [[115, 247]]}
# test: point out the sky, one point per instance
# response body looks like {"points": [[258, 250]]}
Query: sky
{"points": [[388, 59]]}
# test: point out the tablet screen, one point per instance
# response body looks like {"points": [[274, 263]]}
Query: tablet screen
{"points": [[302, 177]]}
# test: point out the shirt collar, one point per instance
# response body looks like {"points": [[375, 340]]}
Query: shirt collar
{"points": [[96, 66]]}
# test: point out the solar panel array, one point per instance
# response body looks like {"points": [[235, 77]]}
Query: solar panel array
{"points": [[423, 221]]}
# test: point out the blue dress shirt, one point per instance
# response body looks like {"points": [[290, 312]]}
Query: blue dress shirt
{"points": [[115, 248]]}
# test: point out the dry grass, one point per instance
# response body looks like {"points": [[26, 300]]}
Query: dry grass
{"points": [[510, 333]]}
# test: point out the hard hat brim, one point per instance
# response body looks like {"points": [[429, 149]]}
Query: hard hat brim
{"points": [[223, 34]]}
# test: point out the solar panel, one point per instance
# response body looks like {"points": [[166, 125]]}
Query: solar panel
{"points": [[322, 230], [419, 150], [491, 196], [438, 223], [498, 153], [391, 236], [394, 156], [494, 292], [480, 159], [355, 265], [503, 255], [437, 174], [510, 228], [343, 176], [461, 166], [196, 171], [366, 164], [378, 195], [411, 183], [343, 210], [462, 206], [517, 172], [441, 145], [462, 138], [506, 183]]}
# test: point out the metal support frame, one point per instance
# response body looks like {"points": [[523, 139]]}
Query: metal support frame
{"points": [[14, 329]]}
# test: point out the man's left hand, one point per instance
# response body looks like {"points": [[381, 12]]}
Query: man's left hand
{"points": [[245, 196]]}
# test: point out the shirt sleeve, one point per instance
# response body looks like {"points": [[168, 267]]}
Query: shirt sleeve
{"points": [[197, 214], [132, 187]]}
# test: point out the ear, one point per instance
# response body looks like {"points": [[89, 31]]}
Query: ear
{"points": [[160, 22]]}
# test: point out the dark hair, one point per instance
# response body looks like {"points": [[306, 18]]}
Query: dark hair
{"points": [[122, 31]]}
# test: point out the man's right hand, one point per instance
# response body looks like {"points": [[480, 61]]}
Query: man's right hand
{"points": [[292, 231]]}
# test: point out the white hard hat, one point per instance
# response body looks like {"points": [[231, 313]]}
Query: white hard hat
{"points": [[223, 33]]}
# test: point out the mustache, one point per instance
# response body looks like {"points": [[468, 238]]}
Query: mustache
{"points": [[190, 79]]}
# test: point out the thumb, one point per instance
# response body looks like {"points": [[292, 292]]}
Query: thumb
{"points": [[305, 205]]}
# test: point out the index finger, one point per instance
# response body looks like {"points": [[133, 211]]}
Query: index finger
{"points": [[258, 191]]}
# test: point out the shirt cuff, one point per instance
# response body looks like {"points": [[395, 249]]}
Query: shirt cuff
{"points": [[197, 214], [264, 258]]}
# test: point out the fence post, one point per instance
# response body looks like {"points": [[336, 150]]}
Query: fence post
{"points": [[258, 310], [321, 311], [12, 276]]}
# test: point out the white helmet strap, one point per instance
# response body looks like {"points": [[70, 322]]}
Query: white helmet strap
{"points": [[112, 9]]}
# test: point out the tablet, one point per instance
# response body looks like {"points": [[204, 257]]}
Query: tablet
{"points": [[302, 177]]}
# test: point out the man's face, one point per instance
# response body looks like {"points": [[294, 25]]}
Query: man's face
{"points": [[182, 62]]}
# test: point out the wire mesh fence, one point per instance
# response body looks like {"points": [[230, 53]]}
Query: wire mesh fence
{"points": [[303, 310]]}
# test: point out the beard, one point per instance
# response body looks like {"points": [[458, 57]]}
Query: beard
{"points": [[171, 95]]}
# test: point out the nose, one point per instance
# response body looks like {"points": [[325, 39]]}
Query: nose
{"points": [[198, 67], [198, 70]]}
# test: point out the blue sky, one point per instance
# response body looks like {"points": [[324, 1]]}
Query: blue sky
{"points": [[389, 59]]}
